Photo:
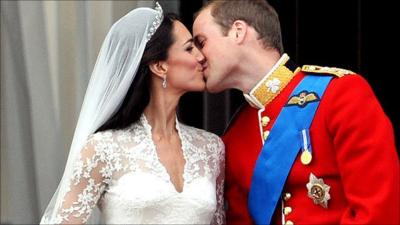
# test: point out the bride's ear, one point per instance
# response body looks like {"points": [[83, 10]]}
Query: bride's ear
{"points": [[159, 68]]}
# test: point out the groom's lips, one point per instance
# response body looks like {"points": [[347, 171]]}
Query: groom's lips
{"points": [[204, 68], [204, 74]]}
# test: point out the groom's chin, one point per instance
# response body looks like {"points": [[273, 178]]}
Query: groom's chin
{"points": [[212, 88]]}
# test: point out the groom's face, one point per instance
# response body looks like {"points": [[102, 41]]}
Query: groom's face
{"points": [[216, 48]]}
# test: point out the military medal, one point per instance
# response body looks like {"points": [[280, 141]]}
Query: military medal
{"points": [[318, 191], [306, 157], [306, 154]]}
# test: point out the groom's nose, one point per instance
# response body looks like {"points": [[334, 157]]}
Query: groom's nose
{"points": [[200, 57]]}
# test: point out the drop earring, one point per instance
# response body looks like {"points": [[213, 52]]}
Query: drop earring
{"points": [[164, 83]]}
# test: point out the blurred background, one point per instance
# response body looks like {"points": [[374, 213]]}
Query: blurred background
{"points": [[48, 50]]}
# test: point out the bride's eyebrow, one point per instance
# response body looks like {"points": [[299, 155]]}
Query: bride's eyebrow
{"points": [[190, 40]]}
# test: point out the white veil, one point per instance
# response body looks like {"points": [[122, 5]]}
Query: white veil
{"points": [[113, 73]]}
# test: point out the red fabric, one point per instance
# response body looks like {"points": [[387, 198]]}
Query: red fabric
{"points": [[353, 152]]}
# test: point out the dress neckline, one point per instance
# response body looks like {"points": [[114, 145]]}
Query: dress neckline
{"points": [[166, 175]]}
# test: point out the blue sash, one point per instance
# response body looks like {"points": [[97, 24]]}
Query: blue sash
{"points": [[281, 148]]}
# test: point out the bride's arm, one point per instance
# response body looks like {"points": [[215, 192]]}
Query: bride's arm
{"points": [[91, 174], [219, 216]]}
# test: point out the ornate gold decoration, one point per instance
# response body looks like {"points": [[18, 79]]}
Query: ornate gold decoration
{"points": [[303, 98]]}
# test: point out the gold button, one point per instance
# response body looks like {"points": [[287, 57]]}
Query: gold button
{"points": [[264, 121], [287, 196], [265, 135], [289, 222], [287, 210]]}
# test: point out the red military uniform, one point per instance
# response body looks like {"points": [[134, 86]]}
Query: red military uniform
{"points": [[353, 153]]}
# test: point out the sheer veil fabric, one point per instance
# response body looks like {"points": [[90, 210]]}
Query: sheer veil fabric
{"points": [[113, 73]]}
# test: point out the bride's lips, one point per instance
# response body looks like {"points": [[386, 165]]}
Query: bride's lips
{"points": [[202, 69]]}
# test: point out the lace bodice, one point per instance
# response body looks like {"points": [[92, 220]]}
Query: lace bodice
{"points": [[121, 173]]}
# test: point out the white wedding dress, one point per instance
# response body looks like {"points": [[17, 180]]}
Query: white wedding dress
{"points": [[121, 173]]}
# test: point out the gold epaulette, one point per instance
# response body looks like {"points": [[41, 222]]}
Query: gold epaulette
{"points": [[327, 70]]}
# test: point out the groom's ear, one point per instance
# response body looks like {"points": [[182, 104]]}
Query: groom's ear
{"points": [[239, 31], [159, 68]]}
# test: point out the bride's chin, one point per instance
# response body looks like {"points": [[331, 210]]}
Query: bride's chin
{"points": [[201, 86]]}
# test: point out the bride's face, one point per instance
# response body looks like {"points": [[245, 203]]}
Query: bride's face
{"points": [[185, 62]]}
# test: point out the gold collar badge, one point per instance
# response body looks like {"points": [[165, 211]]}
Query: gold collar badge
{"points": [[318, 191], [271, 85]]}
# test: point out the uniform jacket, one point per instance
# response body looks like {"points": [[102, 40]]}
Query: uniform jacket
{"points": [[353, 153]]}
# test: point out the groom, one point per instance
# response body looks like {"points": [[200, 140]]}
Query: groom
{"points": [[313, 146]]}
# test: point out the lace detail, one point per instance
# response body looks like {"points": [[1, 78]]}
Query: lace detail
{"points": [[120, 171], [219, 216]]}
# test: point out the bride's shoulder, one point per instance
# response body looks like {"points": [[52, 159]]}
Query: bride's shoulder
{"points": [[103, 136], [109, 139]]}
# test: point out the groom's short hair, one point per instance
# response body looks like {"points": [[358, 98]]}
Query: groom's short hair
{"points": [[257, 13]]}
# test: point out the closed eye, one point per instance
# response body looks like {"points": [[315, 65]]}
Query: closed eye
{"points": [[189, 49], [199, 42]]}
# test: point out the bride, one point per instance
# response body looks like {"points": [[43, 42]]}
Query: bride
{"points": [[130, 155]]}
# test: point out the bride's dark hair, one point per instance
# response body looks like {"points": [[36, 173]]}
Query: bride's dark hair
{"points": [[138, 95]]}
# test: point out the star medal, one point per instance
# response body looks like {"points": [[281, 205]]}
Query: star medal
{"points": [[318, 191]]}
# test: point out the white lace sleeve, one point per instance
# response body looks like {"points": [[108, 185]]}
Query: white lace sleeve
{"points": [[92, 172], [219, 216]]}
